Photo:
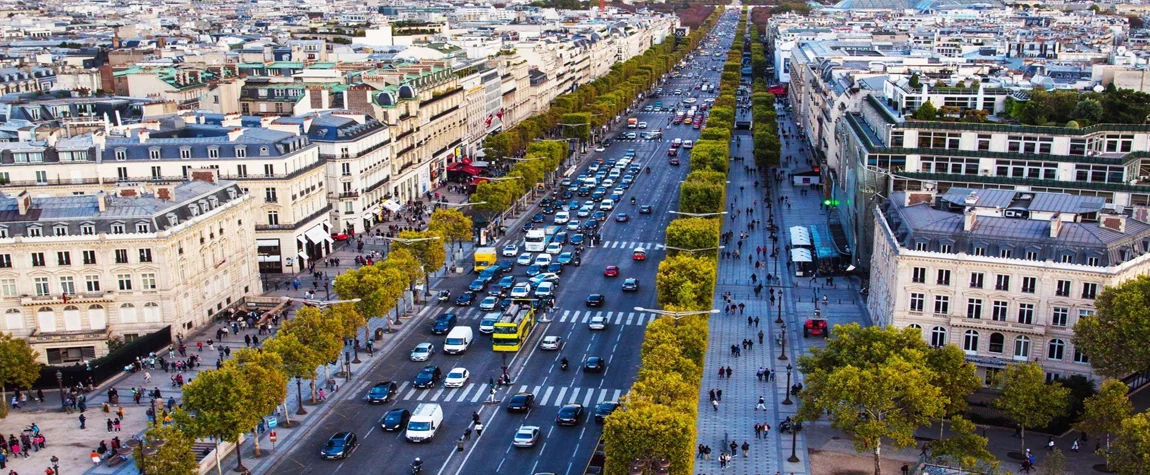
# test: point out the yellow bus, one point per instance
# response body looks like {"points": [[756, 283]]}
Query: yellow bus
{"points": [[513, 329]]}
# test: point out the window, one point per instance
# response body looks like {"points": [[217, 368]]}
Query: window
{"points": [[941, 304], [269, 169], [148, 281], [157, 173], [1001, 282], [64, 258], [1032, 255], [241, 152], [213, 152], [121, 256], [980, 251], [1092, 261], [41, 285], [3, 231], [7, 287], [1029, 284], [270, 195], [59, 230], [999, 310], [983, 142], [943, 277], [930, 139], [154, 154], [142, 227], [1067, 258], [122, 173], [185, 153], [186, 171], [917, 301], [918, 275], [124, 281], [1080, 357], [938, 336], [87, 230], [241, 171], [970, 341], [145, 255], [38, 259], [1026, 313], [1021, 348], [920, 246], [1026, 169], [1062, 288], [976, 279], [5, 261], [121, 154], [1055, 349], [345, 168], [92, 283], [1005, 253], [67, 285], [997, 342], [1099, 173], [1060, 316], [945, 248], [1029, 144], [1089, 290], [974, 308], [117, 229], [35, 232], [273, 218]]}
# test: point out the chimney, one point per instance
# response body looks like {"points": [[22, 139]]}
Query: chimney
{"points": [[143, 135], [166, 193], [969, 218], [205, 174], [102, 201], [1055, 225], [235, 134], [971, 199], [1112, 222], [24, 203], [916, 197], [99, 139]]}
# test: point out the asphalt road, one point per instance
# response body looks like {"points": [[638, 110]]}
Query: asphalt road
{"points": [[561, 450]]}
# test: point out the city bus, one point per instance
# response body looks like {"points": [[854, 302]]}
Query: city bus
{"points": [[513, 328]]}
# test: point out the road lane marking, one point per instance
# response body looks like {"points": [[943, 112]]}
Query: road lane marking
{"points": [[523, 388], [602, 396], [619, 319], [651, 319], [410, 393], [466, 390], [450, 394], [559, 397], [590, 394], [537, 390], [422, 395], [574, 396], [437, 394], [630, 317], [563, 318], [615, 397], [546, 396], [402, 387], [475, 398]]}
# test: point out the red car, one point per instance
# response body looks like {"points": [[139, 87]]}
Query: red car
{"points": [[339, 236], [675, 162], [671, 152], [611, 271], [816, 327]]}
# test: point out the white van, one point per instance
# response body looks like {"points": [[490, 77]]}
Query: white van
{"points": [[424, 422], [458, 340], [562, 217], [688, 144]]}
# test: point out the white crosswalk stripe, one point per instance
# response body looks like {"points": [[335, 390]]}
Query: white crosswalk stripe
{"points": [[422, 395], [465, 391], [612, 317], [435, 397], [602, 396], [586, 317], [574, 395], [546, 396], [450, 394], [618, 319], [587, 397], [618, 392], [478, 394], [630, 317]]}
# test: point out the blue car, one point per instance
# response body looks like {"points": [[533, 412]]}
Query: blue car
{"points": [[555, 268], [465, 299], [573, 205], [560, 237], [577, 240], [477, 285], [533, 270], [565, 258]]}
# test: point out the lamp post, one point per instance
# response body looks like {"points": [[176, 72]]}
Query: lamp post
{"points": [[788, 401], [794, 441], [60, 384], [783, 353], [676, 315], [299, 396], [347, 365], [650, 465]]}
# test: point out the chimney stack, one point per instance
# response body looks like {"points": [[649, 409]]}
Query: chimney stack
{"points": [[102, 201], [969, 218], [235, 134], [1055, 225], [1112, 222], [143, 135], [23, 203]]}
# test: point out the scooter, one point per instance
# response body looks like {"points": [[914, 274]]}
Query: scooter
{"points": [[444, 295], [563, 364]]}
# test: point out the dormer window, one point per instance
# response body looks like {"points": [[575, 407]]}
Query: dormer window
{"points": [[194, 209], [231, 193], [4, 233], [142, 227], [60, 230], [154, 153], [213, 152], [263, 151], [121, 154], [213, 201], [241, 151], [118, 228], [173, 220], [185, 153], [204, 205], [88, 229], [35, 231]]}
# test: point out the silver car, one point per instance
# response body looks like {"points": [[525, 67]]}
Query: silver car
{"points": [[422, 351], [526, 436]]}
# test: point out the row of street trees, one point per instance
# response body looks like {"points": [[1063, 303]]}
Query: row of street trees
{"points": [[660, 412], [542, 157]]}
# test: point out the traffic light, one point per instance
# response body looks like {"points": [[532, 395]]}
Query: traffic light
{"points": [[830, 202]]}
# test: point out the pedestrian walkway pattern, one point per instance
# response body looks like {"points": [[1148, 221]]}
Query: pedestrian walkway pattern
{"points": [[631, 245], [564, 316], [545, 395]]}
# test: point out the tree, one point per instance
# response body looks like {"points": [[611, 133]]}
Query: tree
{"points": [[173, 457], [427, 247], [667, 387], [954, 376], [1055, 464], [264, 372], [1088, 110], [649, 430], [350, 321], [18, 367], [452, 224], [965, 447], [323, 335], [1136, 22], [1130, 454], [377, 287], [219, 405], [299, 361], [1028, 400], [494, 196], [1114, 338], [711, 155], [1104, 412], [701, 197], [694, 233], [686, 281], [927, 111], [914, 82]]}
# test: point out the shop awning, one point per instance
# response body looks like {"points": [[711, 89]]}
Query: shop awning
{"points": [[269, 258], [317, 235], [303, 255], [391, 206], [779, 90], [267, 242], [800, 237], [301, 239], [801, 255]]}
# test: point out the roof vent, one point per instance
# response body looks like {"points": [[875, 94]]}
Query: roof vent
{"points": [[971, 199]]}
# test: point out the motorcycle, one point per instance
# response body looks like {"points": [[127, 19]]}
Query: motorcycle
{"points": [[648, 170], [444, 295], [563, 364], [632, 200]]}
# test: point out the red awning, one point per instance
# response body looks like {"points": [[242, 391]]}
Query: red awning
{"points": [[470, 170], [780, 90], [477, 180]]}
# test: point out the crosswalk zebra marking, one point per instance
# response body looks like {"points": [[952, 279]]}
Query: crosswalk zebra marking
{"points": [[630, 317], [546, 396], [435, 397], [450, 394], [538, 389], [523, 389], [465, 391], [618, 392], [478, 394], [618, 319], [587, 397], [422, 395], [574, 395], [559, 397]]}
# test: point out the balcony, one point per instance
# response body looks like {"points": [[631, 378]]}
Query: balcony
{"points": [[997, 325], [296, 225], [52, 181], [346, 156], [87, 297], [70, 336]]}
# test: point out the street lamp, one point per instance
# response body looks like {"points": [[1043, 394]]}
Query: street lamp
{"points": [[299, 396], [788, 401], [794, 441], [650, 465], [676, 315], [60, 384], [783, 354], [698, 215]]}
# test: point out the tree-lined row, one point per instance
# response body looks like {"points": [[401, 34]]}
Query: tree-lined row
{"points": [[661, 410]]}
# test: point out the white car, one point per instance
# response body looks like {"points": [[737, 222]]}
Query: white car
{"points": [[599, 148], [598, 323], [573, 225], [510, 250], [606, 205], [544, 277], [545, 289], [583, 212], [551, 343], [554, 248], [642, 125], [562, 217], [527, 436], [487, 324], [525, 259], [422, 352], [608, 183], [489, 303], [456, 378], [521, 290], [543, 260]]}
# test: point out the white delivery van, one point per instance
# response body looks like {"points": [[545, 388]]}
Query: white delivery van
{"points": [[424, 422], [458, 340]]}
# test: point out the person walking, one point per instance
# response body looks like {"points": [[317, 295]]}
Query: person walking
{"points": [[719, 395], [83, 420], [746, 448], [715, 404], [762, 404], [478, 430]]}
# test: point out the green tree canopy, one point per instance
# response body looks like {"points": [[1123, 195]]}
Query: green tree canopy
{"points": [[18, 367], [1114, 338], [1130, 454], [965, 448], [452, 224], [1028, 399], [219, 403], [1104, 412], [686, 282], [649, 430], [694, 233], [173, 457]]}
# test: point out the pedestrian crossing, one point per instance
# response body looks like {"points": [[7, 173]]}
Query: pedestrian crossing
{"points": [[629, 245], [565, 316], [545, 395]]}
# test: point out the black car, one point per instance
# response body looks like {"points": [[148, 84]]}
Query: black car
{"points": [[340, 445], [465, 299], [645, 209], [521, 402], [443, 324], [395, 419], [596, 300], [594, 364], [381, 393], [631, 284], [604, 409], [427, 377], [555, 268], [560, 237], [607, 143], [570, 415]]}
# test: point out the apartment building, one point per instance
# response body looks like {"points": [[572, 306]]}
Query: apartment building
{"points": [[185, 87], [1003, 274], [357, 151], [482, 104], [276, 163], [76, 271]]}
